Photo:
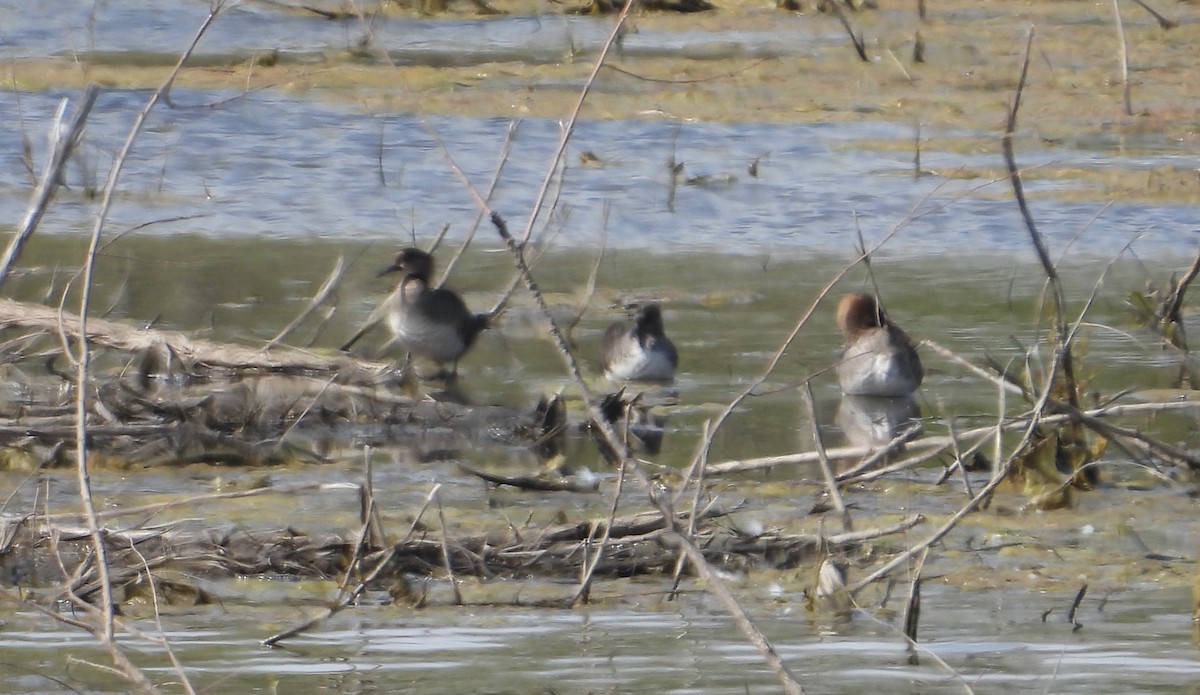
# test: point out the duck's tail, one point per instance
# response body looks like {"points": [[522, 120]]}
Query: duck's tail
{"points": [[476, 324]]}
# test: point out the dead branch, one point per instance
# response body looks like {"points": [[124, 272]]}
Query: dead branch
{"points": [[193, 351], [661, 502], [927, 447], [1163, 21], [1124, 49], [105, 615], [319, 298], [63, 140]]}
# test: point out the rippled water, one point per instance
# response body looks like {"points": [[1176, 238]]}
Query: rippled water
{"points": [[993, 644], [266, 165], [250, 197]]}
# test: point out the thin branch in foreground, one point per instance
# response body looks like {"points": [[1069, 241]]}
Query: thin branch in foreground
{"points": [[458, 598], [105, 631], [63, 140], [1124, 48], [1063, 346], [912, 608], [860, 46], [319, 298], [1163, 21], [662, 502], [585, 584], [347, 601], [826, 471]]}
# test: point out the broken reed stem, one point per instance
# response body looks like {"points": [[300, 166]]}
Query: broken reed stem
{"points": [[835, 497], [859, 46], [960, 458], [662, 502], [1174, 300], [912, 607], [1039, 243], [928, 447], [1163, 22], [338, 607], [1124, 48], [421, 512], [510, 136], [161, 640], [370, 532], [585, 584], [589, 290], [698, 469], [63, 140], [458, 599], [317, 300], [105, 633]]}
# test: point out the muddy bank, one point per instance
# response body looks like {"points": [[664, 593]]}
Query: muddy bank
{"points": [[968, 66]]}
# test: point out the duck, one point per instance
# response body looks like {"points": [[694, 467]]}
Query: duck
{"points": [[642, 352], [879, 358], [432, 323]]}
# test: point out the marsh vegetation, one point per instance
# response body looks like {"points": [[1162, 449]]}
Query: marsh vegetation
{"points": [[177, 419]]}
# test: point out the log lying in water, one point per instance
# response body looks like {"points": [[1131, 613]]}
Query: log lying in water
{"points": [[175, 398], [191, 351]]}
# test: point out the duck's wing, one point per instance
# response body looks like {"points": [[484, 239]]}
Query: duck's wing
{"points": [[610, 343], [907, 358]]}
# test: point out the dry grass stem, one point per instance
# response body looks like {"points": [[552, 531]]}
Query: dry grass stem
{"points": [[105, 630], [317, 300], [585, 583], [64, 137], [831, 488], [1124, 53]]}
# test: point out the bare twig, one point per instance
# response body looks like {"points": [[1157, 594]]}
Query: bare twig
{"points": [[458, 598], [347, 601], [859, 46], [319, 298], [661, 501], [83, 350], [64, 137], [510, 136], [1124, 48], [1063, 347], [1163, 21], [835, 497], [585, 584]]}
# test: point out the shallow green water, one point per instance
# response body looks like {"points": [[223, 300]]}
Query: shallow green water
{"points": [[728, 313]]}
